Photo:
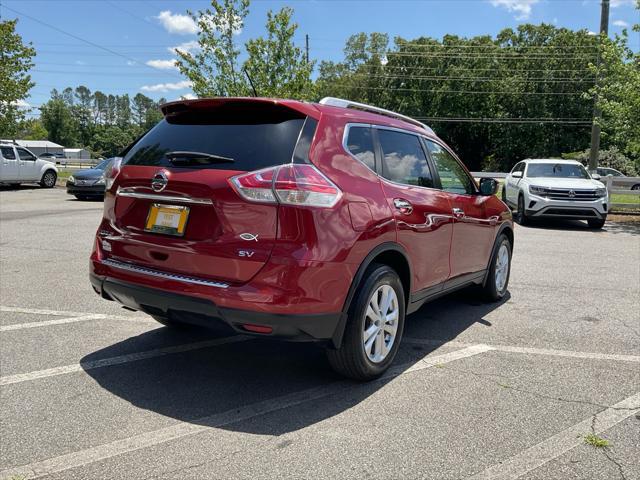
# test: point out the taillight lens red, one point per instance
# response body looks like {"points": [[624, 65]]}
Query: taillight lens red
{"points": [[290, 184], [112, 172]]}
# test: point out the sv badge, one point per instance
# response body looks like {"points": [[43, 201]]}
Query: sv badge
{"points": [[246, 253]]}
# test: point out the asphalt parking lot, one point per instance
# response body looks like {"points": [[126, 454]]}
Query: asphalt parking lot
{"points": [[508, 390]]}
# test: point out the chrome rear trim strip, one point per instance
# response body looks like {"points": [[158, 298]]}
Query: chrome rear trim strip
{"points": [[156, 273], [126, 192]]}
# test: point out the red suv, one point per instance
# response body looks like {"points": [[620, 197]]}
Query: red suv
{"points": [[326, 222]]}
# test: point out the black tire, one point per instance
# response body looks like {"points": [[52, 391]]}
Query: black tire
{"points": [[503, 195], [521, 214], [81, 197], [597, 223], [636, 187], [48, 179], [351, 360], [490, 290]]}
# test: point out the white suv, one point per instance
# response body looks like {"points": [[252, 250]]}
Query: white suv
{"points": [[555, 188], [19, 165]]}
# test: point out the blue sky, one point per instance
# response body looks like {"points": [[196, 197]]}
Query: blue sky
{"points": [[140, 33]]}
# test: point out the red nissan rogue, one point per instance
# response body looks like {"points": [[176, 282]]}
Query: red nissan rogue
{"points": [[325, 222]]}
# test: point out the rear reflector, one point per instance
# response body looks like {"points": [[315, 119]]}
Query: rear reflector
{"points": [[290, 184], [256, 328]]}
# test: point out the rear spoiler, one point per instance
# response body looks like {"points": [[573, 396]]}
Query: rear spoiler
{"points": [[215, 103]]}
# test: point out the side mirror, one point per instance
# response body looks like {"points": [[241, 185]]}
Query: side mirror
{"points": [[595, 176], [517, 174], [488, 186]]}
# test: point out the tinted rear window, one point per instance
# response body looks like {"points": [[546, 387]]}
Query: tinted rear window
{"points": [[253, 139]]}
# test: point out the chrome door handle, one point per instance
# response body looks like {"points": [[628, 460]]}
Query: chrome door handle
{"points": [[403, 206], [458, 212]]}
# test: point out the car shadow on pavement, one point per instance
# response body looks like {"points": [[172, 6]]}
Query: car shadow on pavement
{"points": [[18, 188], [193, 386]]}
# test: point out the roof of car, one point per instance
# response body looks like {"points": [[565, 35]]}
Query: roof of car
{"points": [[313, 110], [551, 160]]}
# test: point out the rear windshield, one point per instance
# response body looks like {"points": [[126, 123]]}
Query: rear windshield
{"points": [[557, 170], [253, 140]]}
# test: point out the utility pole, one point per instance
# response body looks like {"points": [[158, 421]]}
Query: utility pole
{"points": [[306, 42], [597, 111]]}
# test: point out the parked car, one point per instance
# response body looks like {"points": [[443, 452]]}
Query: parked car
{"points": [[322, 222], [18, 165], [555, 188], [57, 158], [88, 183], [605, 172]]}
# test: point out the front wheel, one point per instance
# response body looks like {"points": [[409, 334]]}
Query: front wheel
{"points": [[636, 187], [521, 215], [597, 223], [49, 179], [499, 271], [374, 326]]}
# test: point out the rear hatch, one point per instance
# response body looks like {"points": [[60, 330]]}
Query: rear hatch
{"points": [[191, 221]]}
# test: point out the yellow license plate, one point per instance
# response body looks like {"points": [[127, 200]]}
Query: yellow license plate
{"points": [[167, 219]]}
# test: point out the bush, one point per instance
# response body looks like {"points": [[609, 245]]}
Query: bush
{"points": [[611, 158]]}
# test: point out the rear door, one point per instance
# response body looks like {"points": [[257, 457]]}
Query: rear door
{"points": [[473, 230], [422, 213], [217, 234], [9, 168]]}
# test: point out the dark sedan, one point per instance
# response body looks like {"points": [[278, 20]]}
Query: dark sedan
{"points": [[88, 183]]}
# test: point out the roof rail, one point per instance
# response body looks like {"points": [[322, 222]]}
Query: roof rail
{"points": [[339, 102]]}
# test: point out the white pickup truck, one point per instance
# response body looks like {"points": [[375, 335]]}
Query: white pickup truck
{"points": [[19, 165]]}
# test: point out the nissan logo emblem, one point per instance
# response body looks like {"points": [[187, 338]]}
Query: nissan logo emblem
{"points": [[572, 194], [159, 182]]}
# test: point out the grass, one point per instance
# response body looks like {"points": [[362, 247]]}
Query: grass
{"points": [[595, 441]]}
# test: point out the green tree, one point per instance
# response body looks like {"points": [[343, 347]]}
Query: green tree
{"points": [[15, 82], [57, 118], [213, 68], [276, 66], [31, 129]]}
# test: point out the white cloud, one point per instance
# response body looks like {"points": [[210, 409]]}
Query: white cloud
{"points": [[131, 63], [166, 87], [162, 64], [187, 96], [177, 23], [619, 3], [522, 8], [620, 23], [20, 103], [186, 47]]}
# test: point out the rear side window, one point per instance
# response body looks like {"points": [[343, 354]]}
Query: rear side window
{"points": [[254, 139], [360, 144], [24, 155], [403, 160], [7, 152]]}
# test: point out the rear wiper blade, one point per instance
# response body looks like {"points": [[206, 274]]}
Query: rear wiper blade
{"points": [[179, 156]]}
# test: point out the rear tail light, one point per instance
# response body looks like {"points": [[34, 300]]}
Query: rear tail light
{"points": [[112, 172], [290, 184]]}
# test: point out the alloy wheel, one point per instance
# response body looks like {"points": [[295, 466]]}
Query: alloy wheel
{"points": [[502, 267], [381, 323]]}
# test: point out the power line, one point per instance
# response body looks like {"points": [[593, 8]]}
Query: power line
{"points": [[469, 92], [479, 79], [64, 32], [559, 121]]}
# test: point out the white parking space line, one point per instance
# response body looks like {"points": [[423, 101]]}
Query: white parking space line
{"points": [[532, 351], [554, 446], [183, 429], [107, 362], [46, 323], [39, 311]]}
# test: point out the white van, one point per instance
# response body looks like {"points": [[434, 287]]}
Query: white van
{"points": [[19, 165]]}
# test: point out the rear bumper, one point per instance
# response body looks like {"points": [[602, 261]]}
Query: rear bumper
{"points": [[206, 313]]}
